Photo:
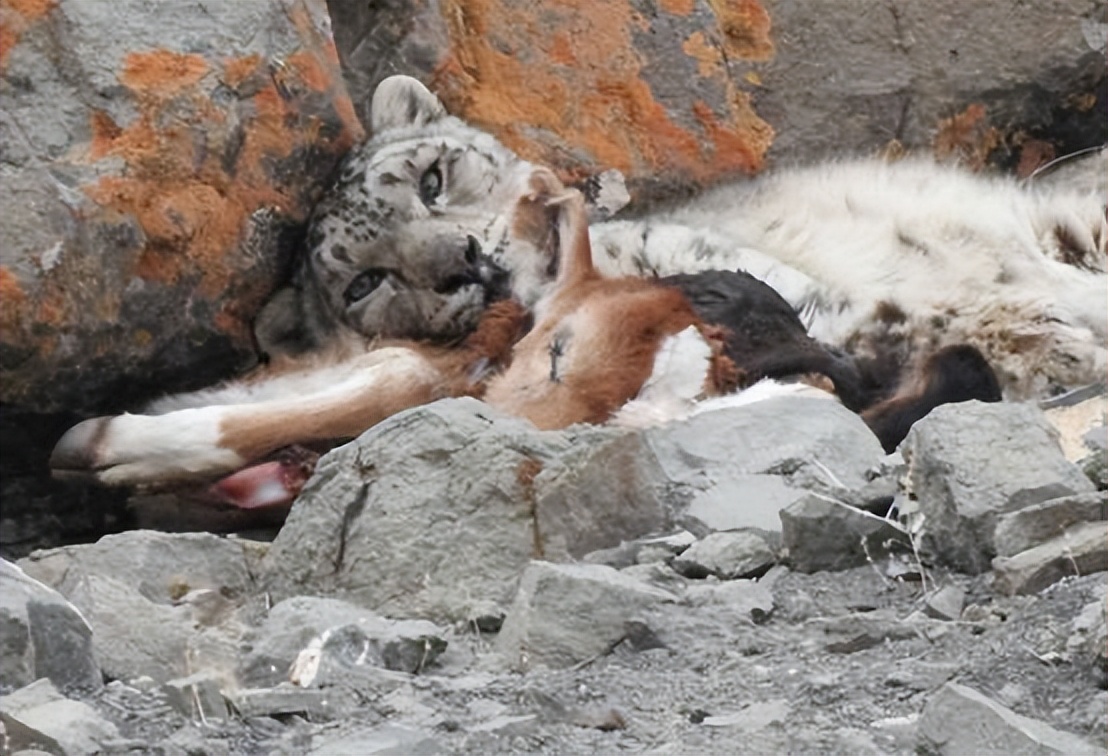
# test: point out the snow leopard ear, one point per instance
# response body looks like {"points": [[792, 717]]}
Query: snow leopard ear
{"points": [[401, 101]]}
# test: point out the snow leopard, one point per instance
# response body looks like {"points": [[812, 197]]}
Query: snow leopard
{"points": [[880, 258]]}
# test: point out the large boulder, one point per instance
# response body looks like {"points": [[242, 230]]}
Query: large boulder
{"points": [[684, 93], [970, 463], [738, 468], [436, 511], [156, 168]]}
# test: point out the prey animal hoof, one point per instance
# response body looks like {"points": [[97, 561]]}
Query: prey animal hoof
{"points": [[76, 455]]}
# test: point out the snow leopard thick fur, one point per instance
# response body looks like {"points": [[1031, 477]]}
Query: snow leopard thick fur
{"points": [[885, 259]]}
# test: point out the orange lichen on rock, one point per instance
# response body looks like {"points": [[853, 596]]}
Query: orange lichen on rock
{"points": [[708, 57], [12, 298], [967, 136], [162, 73], [194, 176], [549, 92], [238, 70], [725, 139], [310, 70], [745, 25], [105, 132], [678, 7], [16, 16]]}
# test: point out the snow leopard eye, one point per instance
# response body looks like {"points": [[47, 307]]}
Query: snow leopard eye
{"points": [[430, 184], [364, 284]]}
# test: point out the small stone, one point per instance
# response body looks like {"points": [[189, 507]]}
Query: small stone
{"points": [[1081, 550], [1028, 527], [605, 719], [754, 717], [197, 696], [378, 741], [959, 720], [747, 598], [569, 613], [337, 633], [820, 534], [38, 715], [286, 698], [44, 635], [856, 632], [946, 603], [642, 550], [729, 555], [485, 617]]}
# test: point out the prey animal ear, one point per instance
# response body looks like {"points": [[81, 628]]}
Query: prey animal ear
{"points": [[401, 101]]}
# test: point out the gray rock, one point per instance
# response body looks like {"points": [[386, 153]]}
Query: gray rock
{"points": [[340, 634], [197, 696], [387, 740], [162, 567], [132, 635], [567, 613], [844, 82], [959, 720], [1081, 550], [945, 603], [970, 463], [437, 510], [1090, 635], [286, 698], [642, 550], [741, 466], [741, 501], [855, 632], [735, 554], [42, 635], [1030, 526], [822, 534], [754, 717], [157, 602], [150, 189], [751, 600], [39, 716]]}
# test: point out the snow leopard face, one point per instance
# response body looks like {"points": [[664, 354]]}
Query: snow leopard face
{"points": [[419, 233]]}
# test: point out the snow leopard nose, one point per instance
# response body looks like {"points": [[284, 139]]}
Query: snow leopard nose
{"points": [[473, 250], [476, 268]]}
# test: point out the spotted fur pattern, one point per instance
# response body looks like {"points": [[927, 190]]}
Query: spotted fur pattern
{"points": [[876, 257]]}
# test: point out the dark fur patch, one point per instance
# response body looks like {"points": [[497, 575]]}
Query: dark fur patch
{"points": [[889, 312], [953, 374], [764, 336]]}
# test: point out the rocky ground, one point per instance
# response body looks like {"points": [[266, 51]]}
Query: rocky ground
{"points": [[455, 581]]}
